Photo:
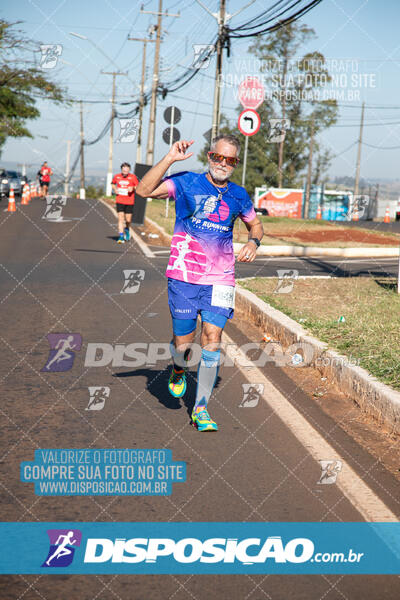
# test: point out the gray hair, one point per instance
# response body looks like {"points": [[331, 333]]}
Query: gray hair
{"points": [[227, 137]]}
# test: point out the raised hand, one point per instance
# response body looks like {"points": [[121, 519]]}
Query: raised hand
{"points": [[178, 150]]}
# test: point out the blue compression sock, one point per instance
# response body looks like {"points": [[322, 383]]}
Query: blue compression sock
{"points": [[206, 377]]}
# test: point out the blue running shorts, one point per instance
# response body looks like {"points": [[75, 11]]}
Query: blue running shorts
{"points": [[187, 300]]}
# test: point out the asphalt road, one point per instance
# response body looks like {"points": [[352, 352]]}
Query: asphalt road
{"points": [[265, 266], [67, 277]]}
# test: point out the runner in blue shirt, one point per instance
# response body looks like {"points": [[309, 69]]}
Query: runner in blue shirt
{"points": [[201, 266]]}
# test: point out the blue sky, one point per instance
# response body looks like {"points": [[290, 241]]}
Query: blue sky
{"points": [[362, 35]]}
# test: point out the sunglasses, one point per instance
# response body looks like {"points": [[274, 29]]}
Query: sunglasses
{"points": [[231, 161]]}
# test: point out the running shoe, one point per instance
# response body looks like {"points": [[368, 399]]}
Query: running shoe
{"points": [[121, 239], [202, 420], [127, 234], [177, 383]]}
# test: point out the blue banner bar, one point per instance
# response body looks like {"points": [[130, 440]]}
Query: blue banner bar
{"points": [[214, 548]]}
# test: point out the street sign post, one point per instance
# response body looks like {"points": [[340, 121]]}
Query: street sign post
{"points": [[251, 93], [249, 123], [171, 134]]}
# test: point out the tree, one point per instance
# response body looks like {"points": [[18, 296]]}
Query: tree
{"points": [[293, 87], [94, 192], [22, 83]]}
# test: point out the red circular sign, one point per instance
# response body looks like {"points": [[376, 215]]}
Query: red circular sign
{"points": [[251, 93], [249, 122]]}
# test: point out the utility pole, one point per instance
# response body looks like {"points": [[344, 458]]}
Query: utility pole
{"points": [[23, 166], [66, 182], [111, 143], [357, 178], [309, 172], [218, 70], [222, 18], [82, 188], [141, 100], [153, 105]]}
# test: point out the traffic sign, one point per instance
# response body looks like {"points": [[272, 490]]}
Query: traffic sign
{"points": [[249, 122], [166, 136], [176, 114], [251, 93]]}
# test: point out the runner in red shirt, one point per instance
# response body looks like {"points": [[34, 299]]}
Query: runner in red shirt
{"points": [[124, 185], [44, 174]]}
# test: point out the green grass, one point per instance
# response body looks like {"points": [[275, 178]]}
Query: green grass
{"points": [[274, 225], [370, 333]]}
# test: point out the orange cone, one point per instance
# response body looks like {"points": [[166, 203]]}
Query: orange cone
{"points": [[387, 216], [355, 214], [28, 193], [32, 190], [319, 212], [11, 201], [24, 199]]}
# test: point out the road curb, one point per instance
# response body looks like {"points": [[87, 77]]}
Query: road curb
{"points": [[164, 236], [142, 245], [310, 251], [373, 397], [378, 252]]}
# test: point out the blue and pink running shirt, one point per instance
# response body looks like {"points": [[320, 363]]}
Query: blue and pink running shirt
{"points": [[201, 247]]}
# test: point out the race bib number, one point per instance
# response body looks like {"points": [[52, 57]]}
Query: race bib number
{"points": [[223, 296], [122, 191]]}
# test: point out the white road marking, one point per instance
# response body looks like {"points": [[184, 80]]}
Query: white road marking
{"points": [[142, 245], [353, 487]]}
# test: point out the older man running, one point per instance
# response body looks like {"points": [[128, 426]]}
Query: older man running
{"points": [[200, 271]]}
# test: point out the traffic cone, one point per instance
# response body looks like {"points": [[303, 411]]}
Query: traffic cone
{"points": [[11, 201], [32, 190], [319, 212], [387, 216], [24, 199], [355, 215], [28, 193]]}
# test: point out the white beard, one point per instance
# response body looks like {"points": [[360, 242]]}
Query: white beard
{"points": [[218, 176]]}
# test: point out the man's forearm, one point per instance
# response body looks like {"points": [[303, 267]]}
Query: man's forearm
{"points": [[152, 178], [256, 231]]}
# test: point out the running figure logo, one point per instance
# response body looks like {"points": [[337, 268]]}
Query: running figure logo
{"points": [[179, 262], [54, 207], [286, 279], [202, 55], [62, 351], [62, 547], [98, 396], [360, 205], [251, 394], [133, 279], [50, 54], [330, 470], [128, 129], [278, 129]]}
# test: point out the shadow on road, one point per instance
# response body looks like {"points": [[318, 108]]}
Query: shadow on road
{"points": [[157, 385]]}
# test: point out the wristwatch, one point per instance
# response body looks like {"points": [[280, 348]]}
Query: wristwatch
{"points": [[256, 241]]}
